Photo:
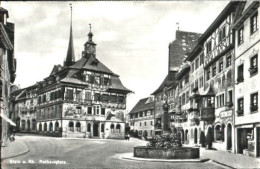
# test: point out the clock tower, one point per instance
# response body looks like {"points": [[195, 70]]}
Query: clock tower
{"points": [[90, 46]]}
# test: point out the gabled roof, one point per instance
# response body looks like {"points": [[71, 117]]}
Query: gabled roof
{"points": [[56, 68], [185, 69], [225, 12], [2, 10], [170, 79], [142, 105], [117, 84], [92, 64]]}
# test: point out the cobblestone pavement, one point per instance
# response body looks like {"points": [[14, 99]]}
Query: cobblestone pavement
{"points": [[49, 152]]}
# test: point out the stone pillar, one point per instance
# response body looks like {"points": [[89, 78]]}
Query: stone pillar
{"points": [[91, 131], [165, 117]]}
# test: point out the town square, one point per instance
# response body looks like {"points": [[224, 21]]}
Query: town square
{"points": [[135, 84]]}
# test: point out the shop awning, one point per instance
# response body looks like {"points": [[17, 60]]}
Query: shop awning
{"points": [[7, 119]]}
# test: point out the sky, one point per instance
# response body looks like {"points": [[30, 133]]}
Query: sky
{"points": [[132, 37]]}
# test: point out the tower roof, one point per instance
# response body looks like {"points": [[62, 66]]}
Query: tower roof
{"points": [[70, 58]]}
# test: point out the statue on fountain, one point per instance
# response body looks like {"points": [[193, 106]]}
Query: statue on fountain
{"points": [[167, 139]]}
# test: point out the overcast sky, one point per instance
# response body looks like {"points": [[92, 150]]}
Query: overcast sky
{"points": [[132, 37]]}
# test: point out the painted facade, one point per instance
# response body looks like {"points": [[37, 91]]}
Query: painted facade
{"points": [[247, 46]]}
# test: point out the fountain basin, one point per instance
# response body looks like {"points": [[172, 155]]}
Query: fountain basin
{"points": [[167, 153]]}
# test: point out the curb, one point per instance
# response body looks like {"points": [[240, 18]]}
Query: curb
{"points": [[16, 155], [128, 156], [222, 164]]}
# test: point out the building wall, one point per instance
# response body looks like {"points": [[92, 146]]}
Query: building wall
{"points": [[247, 125], [5, 94]]}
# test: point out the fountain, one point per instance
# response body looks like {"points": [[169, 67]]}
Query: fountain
{"points": [[167, 145]]}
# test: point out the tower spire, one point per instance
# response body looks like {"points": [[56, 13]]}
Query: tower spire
{"points": [[70, 59]]}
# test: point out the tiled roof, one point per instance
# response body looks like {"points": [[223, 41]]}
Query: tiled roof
{"points": [[169, 80], [117, 84], [91, 64], [142, 106], [2, 10]]}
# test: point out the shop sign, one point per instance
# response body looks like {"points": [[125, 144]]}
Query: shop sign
{"points": [[225, 114]]}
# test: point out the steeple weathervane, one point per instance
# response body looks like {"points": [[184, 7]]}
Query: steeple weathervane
{"points": [[90, 34], [178, 25]]}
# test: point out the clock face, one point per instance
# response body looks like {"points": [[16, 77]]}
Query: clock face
{"points": [[91, 49]]}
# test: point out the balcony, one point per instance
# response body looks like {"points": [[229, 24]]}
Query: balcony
{"points": [[207, 114]]}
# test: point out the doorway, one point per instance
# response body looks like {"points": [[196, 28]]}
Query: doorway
{"points": [[195, 136], [229, 137], [28, 125], [95, 130]]}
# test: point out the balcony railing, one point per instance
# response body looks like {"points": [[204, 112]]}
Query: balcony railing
{"points": [[207, 113]]}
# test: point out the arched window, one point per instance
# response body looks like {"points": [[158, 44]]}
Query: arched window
{"points": [[78, 126], [40, 127], [118, 128], [186, 135], [112, 126], [56, 126], [89, 127], [102, 128], [219, 133], [45, 126], [50, 126], [71, 126], [23, 124]]}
